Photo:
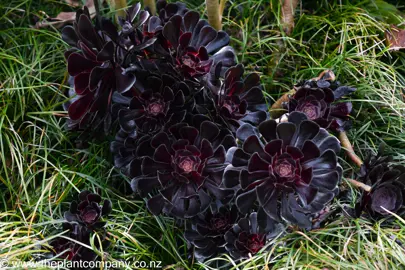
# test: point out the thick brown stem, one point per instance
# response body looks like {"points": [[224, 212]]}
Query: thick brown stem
{"points": [[213, 13], [326, 75], [119, 6], [277, 107], [151, 5], [344, 140], [359, 185], [287, 19]]}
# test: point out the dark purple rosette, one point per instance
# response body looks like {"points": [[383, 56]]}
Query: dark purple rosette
{"points": [[164, 103], [88, 210], [290, 169], [187, 43], [250, 235], [387, 188], [81, 222], [234, 100], [166, 11], [183, 168], [321, 100], [126, 149], [207, 231], [98, 62]]}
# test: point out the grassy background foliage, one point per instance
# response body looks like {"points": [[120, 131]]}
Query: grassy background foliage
{"points": [[41, 170]]}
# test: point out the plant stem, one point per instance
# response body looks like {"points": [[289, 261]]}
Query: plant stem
{"points": [[327, 74], [360, 185], [278, 105], [344, 140], [221, 7], [213, 13], [287, 11], [151, 5]]}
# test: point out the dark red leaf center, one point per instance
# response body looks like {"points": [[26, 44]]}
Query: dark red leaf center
{"points": [[255, 243], [90, 216]]}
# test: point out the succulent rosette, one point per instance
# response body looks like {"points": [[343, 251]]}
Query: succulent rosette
{"points": [[184, 166], [289, 168], [321, 100], [387, 188], [88, 210], [187, 43], [208, 229], [81, 221], [164, 103], [234, 100], [98, 64], [250, 235]]}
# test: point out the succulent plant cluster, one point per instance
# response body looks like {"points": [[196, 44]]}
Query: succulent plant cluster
{"points": [[193, 133], [83, 219]]}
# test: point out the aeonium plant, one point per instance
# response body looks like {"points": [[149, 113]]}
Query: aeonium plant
{"points": [[182, 168], [288, 169], [234, 99], [251, 235], [207, 230], [108, 64], [222, 228], [383, 190], [321, 100], [82, 221], [188, 43], [88, 210], [181, 100], [98, 61]]}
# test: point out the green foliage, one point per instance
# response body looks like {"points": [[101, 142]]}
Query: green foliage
{"points": [[41, 170]]}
